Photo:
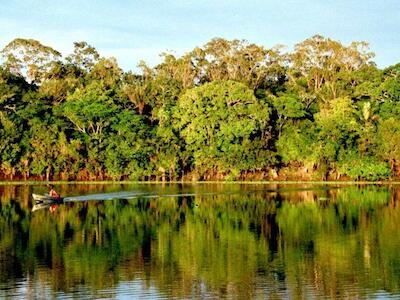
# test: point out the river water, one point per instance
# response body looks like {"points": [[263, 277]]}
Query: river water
{"points": [[236, 241]]}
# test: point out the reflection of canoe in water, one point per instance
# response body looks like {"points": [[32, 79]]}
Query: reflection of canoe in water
{"points": [[46, 199]]}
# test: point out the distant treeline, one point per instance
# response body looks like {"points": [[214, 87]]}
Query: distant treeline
{"points": [[228, 110]]}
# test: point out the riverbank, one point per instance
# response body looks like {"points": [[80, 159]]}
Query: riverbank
{"points": [[37, 182]]}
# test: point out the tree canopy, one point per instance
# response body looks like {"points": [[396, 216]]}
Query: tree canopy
{"points": [[228, 110]]}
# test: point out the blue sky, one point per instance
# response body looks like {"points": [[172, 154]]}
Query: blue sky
{"points": [[140, 30]]}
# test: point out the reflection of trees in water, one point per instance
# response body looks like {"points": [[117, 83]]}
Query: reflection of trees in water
{"points": [[216, 245]]}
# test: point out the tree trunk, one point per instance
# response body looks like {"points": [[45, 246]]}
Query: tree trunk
{"points": [[48, 170]]}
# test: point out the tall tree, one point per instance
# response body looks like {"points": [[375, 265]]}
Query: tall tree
{"points": [[225, 127], [84, 56], [30, 58], [321, 67]]}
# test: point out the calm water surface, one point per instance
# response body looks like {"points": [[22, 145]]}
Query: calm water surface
{"points": [[228, 241]]}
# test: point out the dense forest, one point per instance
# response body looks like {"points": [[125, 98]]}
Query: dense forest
{"points": [[229, 110]]}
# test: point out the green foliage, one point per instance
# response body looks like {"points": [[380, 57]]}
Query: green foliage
{"points": [[29, 56], [389, 94], [84, 56], [298, 143], [90, 109], [219, 122], [388, 146], [289, 106], [350, 163], [227, 110], [128, 149]]}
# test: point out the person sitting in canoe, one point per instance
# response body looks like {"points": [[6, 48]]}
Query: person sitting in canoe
{"points": [[53, 193]]}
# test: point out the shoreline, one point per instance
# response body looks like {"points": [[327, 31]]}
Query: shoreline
{"points": [[287, 182]]}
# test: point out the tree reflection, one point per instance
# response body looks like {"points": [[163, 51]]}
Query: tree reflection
{"points": [[288, 243]]}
